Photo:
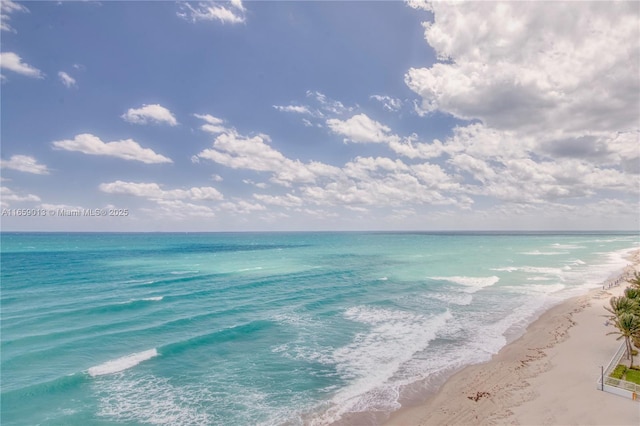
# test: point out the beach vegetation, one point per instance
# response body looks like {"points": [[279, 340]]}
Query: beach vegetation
{"points": [[625, 315], [621, 305], [632, 293], [618, 372], [628, 326], [629, 374], [632, 375], [635, 280]]}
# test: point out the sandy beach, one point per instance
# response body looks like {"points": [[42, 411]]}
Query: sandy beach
{"points": [[546, 377]]}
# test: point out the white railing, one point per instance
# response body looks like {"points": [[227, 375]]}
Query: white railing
{"points": [[618, 386]]}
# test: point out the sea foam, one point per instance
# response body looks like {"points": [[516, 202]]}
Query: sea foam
{"points": [[472, 284], [121, 364], [374, 357]]}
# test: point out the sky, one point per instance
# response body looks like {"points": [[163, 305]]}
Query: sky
{"points": [[304, 116]]}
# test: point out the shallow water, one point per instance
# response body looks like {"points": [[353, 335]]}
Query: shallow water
{"points": [[266, 328]]}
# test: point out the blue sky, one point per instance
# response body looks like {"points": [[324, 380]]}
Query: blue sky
{"points": [[269, 115]]}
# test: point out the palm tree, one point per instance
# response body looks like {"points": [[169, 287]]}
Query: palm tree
{"points": [[635, 281], [628, 326], [633, 293], [620, 305]]}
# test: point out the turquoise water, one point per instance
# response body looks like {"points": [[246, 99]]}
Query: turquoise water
{"points": [[271, 328]]}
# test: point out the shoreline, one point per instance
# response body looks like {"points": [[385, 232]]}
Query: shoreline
{"points": [[546, 376]]}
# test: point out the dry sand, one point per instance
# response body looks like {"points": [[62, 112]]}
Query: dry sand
{"points": [[547, 377]]}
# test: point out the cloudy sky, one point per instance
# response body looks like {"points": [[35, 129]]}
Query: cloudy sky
{"points": [[269, 115]]}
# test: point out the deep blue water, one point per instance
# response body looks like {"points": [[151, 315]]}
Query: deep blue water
{"points": [[266, 328]]}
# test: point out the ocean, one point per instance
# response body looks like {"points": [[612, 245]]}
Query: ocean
{"points": [[268, 328]]}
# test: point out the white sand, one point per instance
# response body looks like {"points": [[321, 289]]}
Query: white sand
{"points": [[547, 377]]}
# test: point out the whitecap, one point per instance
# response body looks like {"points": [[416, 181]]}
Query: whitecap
{"points": [[506, 269], [257, 268], [566, 246], [544, 253], [472, 284], [121, 364]]}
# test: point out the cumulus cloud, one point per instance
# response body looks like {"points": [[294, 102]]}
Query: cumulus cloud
{"points": [[150, 114], [297, 109], [154, 191], [212, 124], [231, 13], [242, 207], [358, 184], [551, 91], [528, 65], [361, 128], [66, 79], [25, 163], [254, 153], [178, 209], [9, 195], [127, 149], [7, 7], [13, 62], [59, 206], [173, 204]]}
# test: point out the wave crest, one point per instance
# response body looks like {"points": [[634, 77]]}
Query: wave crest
{"points": [[121, 364]]}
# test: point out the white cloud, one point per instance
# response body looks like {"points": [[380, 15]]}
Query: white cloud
{"points": [[213, 12], [172, 204], [287, 200], [531, 66], [553, 90], [410, 147], [242, 207], [48, 206], [366, 181], [213, 124], [24, 163], [240, 152], [13, 62], [8, 195], [321, 108], [127, 149], [329, 105], [419, 4], [209, 118], [6, 8], [297, 109], [178, 210], [254, 153], [154, 191], [150, 114], [389, 103], [66, 79], [361, 128]]}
